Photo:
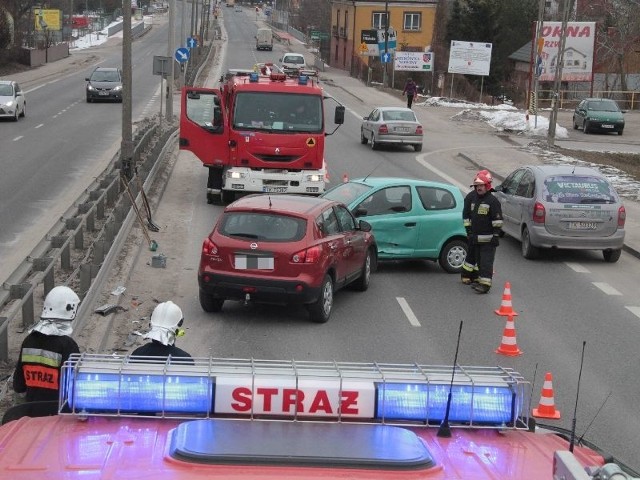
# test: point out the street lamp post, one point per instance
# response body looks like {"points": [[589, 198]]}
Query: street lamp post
{"points": [[385, 80]]}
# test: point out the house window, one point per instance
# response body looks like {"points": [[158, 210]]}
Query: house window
{"points": [[412, 21], [338, 17], [346, 20], [379, 20]]}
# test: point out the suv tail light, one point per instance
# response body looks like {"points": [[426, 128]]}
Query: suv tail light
{"points": [[208, 247], [538, 213], [308, 255], [419, 130], [383, 129], [622, 216]]}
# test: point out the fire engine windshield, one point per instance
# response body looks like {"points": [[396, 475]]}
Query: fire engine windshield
{"points": [[281, 112]]}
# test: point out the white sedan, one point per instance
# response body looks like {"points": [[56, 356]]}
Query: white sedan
{"points": [[12, 101], [391, 125]]}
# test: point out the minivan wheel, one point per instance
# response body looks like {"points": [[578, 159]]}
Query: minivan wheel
{"points": [[612, 255], [528, 251], [209, 303], [452, 256], [320, 310]]}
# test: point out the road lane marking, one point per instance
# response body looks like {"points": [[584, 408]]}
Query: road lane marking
{"points": [[408, 312], [634, 310], [421, 160], [41, 125], [18, 138], [576, 267], [606, 288]]}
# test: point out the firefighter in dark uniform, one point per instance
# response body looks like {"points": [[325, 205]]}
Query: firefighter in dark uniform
{"points": [[482, 218], [46, 348], [166, 321]]}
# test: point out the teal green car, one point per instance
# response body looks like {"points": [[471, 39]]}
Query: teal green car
{"points": [[600, 114], [410, 219]]}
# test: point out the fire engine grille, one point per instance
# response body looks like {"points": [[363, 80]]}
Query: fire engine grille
{"points": [[278, 183], [277, 158]]}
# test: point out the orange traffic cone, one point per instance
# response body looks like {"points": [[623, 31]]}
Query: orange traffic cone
{"points": [[546, 407], [345, 178], [509, 346], [506, 308]]}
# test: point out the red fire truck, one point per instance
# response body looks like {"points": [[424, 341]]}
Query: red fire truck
{"points": [[258, 133]]}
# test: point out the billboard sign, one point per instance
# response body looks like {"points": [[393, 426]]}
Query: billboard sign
{"points": [[470, 58], [369, 43], [49, 19], [413, 61], [578, 51]]}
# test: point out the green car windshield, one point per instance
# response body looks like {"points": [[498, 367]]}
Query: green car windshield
{"points": [[603, 106], [347, 192]]}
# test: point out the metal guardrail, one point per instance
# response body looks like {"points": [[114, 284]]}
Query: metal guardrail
{"points": [[96, 217]]}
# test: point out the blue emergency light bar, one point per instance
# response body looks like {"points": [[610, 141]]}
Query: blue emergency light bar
{"points": [[253, 77], [396, 393]]}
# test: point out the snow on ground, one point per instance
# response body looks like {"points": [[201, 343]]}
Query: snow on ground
{"points": [[99, 37]]}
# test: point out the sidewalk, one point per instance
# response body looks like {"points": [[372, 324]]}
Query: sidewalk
{"points": [[500, 166]]}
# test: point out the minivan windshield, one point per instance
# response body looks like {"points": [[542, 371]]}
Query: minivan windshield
{"points": [[296, 59]]}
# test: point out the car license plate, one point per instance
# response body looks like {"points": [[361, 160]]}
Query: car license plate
{"points": [[253, 262], [606, 125], [274, 189], [582, 225], [103, 93], [402, 129]]}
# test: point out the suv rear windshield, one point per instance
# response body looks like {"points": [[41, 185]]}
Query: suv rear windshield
{"points": [[267, 227], [578, 189]]}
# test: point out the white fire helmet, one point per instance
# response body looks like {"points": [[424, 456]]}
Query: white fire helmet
{"points": [[61, 304], [165, 322]]}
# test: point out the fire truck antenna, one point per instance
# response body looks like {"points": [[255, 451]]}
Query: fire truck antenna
{"points": [[575, 409]]}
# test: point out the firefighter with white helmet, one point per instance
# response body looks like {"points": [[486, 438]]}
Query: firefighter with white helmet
{"points": [[166, 321], [47, 347], [482, 218]]}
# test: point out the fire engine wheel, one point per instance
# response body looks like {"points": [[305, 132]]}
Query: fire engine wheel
{"points": [[227, 197], [320, 310], [363, 139], [209, 303]]}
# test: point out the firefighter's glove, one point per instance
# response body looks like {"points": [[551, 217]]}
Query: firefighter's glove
{"points": [[19, 398], [501, 233], [494, 241]]}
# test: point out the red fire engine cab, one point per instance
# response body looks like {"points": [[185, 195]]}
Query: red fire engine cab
{"points": [[258, 134]]}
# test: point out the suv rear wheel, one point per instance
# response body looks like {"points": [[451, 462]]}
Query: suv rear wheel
{"points": [[362, 283], [320, 310], [209, 303]]}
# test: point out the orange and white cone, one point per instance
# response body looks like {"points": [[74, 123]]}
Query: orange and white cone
{"points": [[546, 407], [506, 308], [509, 346], [345, 178]]}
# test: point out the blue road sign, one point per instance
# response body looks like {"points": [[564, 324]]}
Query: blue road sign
{"points": [[192, 42], [386, 57], [182, 54]]}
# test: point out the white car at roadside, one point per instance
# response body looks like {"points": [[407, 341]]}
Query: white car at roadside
{"points": [[12, 100]]}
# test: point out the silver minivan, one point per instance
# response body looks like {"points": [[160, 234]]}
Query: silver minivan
{"points": [[562, 206]]}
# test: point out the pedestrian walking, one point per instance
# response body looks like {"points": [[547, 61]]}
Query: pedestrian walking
{"points": [[166, 321], [46, 348], [482, 218], [410, 90]]}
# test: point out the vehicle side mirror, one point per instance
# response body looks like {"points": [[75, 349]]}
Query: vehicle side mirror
{"points": [[364, 226], [623, 111], [499, 188], [86, 79], [338, 117]]}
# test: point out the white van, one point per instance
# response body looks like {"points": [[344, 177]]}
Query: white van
{"points": [[264, 39], [292, 63]]}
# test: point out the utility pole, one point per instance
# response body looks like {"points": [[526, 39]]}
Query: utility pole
{"points": [[126, 146], [551, 134], [170, 51], [538, 57]]}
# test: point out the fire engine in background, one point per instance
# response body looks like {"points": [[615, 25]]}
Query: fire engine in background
{"points": [[214, 418], [259, 134]]}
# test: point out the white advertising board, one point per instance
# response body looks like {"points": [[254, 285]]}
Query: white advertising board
{"points": [[578, 51], [413, 61], [470, 58]]}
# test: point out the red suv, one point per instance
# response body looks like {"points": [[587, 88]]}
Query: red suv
{"points": [[285, 249]]}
